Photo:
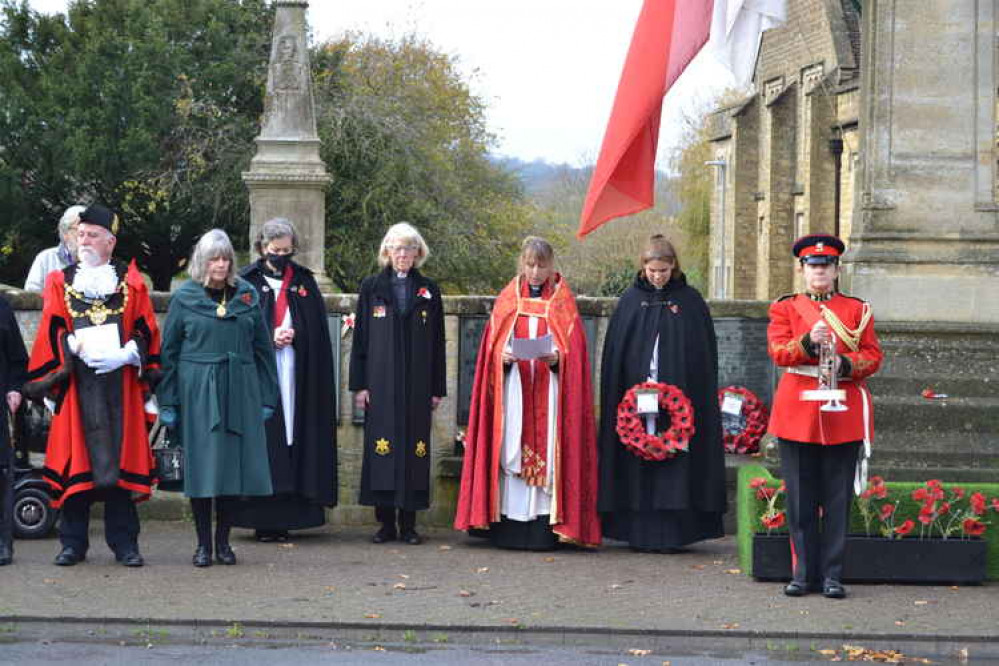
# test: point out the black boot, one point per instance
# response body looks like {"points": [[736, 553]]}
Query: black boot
{"points": [[201, 507], [223, 551], [407, 528], [386, 516]]}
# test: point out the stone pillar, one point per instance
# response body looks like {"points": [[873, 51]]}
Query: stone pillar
{"points": [[925, 243], [287, 177], [775, 275]]}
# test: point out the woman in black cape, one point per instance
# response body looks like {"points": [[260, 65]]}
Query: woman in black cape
{"points": [[661, 331], [301, 438]]}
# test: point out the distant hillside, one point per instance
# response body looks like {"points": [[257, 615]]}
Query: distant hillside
{"points": [[539, 177]]}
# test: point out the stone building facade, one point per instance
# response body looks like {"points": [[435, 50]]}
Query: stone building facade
{"points": [[785, 156], [878, 124]]}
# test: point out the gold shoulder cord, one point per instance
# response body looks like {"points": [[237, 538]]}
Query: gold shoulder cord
{"points": [[849, 336], [97, 313]]}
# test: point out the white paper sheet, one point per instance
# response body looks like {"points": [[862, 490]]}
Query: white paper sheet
{"points": [[103, 338], [526, 349]]}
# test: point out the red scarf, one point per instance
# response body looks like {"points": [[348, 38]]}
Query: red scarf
{"points": [[534, 379], [281, 302]]}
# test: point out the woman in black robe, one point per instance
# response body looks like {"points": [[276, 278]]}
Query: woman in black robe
{"points": [[661, 331], [301, 438], [397, 373]]}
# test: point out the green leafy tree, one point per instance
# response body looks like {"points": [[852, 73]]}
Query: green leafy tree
{"points": [[406, 140], [147, 106]]}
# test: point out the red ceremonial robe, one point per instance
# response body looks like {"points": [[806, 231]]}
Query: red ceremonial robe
{"points": [[791, 320], [574, 492], [51, 375]]}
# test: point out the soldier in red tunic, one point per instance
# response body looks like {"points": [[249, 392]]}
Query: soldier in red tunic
{"points": [[821, 452]]}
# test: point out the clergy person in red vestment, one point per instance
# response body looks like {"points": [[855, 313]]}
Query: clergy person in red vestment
{"points": [[95, 360], [823, 455], [529, 478]]}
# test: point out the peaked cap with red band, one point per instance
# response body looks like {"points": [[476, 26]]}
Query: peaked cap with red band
{"points": [[818, 249]]}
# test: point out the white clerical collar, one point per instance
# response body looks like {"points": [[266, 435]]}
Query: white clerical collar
{"points": [[95, 281], [401, 275]]}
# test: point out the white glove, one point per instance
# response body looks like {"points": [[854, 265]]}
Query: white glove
{"points": [[73, 344], [109, 361]]}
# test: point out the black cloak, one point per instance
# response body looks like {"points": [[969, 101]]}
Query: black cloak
{"points": [[668, 504], [304, 475], [399, 358]]}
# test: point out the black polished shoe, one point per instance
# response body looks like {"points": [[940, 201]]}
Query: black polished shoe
{"points": [[833, 589], [202, 557], [224, 554], [69, 556], [130, 559], [411, 537], [6, 555], [795, 589], [383, 535]]}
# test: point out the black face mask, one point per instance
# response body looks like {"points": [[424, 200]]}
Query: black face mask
{"points": [[279, 261]]}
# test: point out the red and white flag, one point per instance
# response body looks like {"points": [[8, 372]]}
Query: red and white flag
{"points": [[668, 34]]}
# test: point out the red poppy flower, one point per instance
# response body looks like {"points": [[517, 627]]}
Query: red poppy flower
{"points": [[887, 510], [934, 483], [944, 508], [973, 527], [994, 503], [757, 482], [928, 513], [905, 528], [773, 521], [876, 481], [958, 492], [920, 494], [765, 493], [247, 298], [881, 492], [977, 503]]}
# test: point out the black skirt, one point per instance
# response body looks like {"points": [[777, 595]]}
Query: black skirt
{"points": [[279, 513], [662, 530], [534, 534]]}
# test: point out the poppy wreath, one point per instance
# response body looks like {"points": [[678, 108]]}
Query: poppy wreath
{"points": [[662, 446], [757, 415]]}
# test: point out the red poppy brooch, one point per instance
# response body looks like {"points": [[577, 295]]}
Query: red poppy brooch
{"points": [[423, 292]]}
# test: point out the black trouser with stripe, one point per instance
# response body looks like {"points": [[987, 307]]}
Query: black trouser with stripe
{"points": [[6, 495], [818, 477]]}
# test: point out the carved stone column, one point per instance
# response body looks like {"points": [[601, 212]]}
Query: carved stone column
{"points": [[925, 242], [287, 177]]}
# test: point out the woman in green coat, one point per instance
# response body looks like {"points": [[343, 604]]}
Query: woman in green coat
{"points": [[219, 386]]}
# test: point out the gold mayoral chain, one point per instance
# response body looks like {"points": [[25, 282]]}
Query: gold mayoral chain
{"points": [[98, 312], [849, 336]]}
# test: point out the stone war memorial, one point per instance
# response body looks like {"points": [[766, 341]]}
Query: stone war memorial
{"points": [[876, 121], [873, 120]]}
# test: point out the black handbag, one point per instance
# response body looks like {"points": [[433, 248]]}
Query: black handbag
{"points": [[169, 459]]}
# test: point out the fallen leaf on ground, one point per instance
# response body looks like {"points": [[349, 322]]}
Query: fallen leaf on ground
{"points": [[330, 588], [444, 548], [378, 648], [482, 570], [399, 586], [731, 625], [828, 653], [287, 545], [465, 593], [698, 566], [899, 623], [717, 562], [920, 602], [616, 586], [49, 581], [733, 571], [404, 576], [372, 616], [549, 559], [639, 653], [962, 655], [511, 620]]}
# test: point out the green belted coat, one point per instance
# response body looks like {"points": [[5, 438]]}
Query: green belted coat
{"points": [[219, 374]]}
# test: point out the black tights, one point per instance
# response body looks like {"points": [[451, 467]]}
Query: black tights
{"points": [[201, 507], [386, 515]]}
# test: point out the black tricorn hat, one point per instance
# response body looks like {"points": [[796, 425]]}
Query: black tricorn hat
{"points": [[818, 249], [102, 217]]}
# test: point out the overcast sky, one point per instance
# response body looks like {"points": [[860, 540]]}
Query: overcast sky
{"points": [[547, 69]]}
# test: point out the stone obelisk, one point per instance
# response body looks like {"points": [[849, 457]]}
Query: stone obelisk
{"points": [[287, 177]]}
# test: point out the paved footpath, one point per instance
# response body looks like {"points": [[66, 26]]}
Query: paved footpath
{"points": [[458, 588]]}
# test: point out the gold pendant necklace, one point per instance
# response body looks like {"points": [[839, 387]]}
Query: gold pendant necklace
{"points": [[220, 310]]}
